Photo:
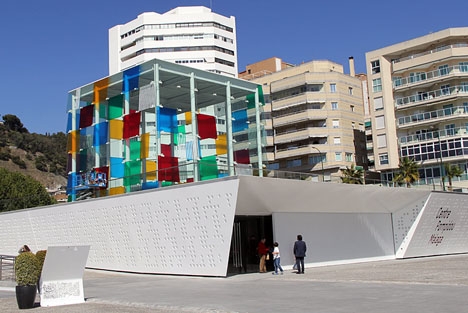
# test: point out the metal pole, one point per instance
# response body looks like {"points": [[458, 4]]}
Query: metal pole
{"points": [[321, 161]]}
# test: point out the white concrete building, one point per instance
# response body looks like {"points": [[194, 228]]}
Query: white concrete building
{"points": [[206, 228], [192, 36]]}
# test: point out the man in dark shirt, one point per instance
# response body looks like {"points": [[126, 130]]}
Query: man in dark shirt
{"points": [[299, 251]]}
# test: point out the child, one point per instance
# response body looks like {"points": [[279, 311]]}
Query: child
{"points": [[276, 259]]}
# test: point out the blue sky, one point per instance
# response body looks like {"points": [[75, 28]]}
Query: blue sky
{"points": [[50, 47]]}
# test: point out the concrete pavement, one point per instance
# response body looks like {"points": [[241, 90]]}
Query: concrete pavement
{"points": [[432, 284]]}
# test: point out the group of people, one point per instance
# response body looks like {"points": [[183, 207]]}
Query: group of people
{"points": [[299, 251]]}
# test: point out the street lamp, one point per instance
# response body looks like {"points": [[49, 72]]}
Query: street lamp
{"points": [[321, 161]]}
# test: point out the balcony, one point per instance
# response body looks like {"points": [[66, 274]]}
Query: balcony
{"points": [[421, 78], [298, 151], [432, 116], [432, 96], [301, 116], [435, 135], [301, 134]]}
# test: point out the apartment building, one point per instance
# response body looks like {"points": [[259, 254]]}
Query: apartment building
{"points": [[315, 116], [418, 93], [192, 36]]}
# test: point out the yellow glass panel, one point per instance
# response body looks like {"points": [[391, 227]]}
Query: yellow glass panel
{"points": [[73, 141], [116, 129], [151, 170], [100, 90], [221, 144], [188, 118], [117, 191], [144, 147]]}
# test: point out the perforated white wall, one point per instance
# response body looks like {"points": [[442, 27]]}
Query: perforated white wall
{"points": [[178, 230], [441, 228], [403, 220]]}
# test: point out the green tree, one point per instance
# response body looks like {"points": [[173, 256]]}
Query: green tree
{"points": [[352, 175], [452, 171], [18, 191], [408, 172], [13, 122]]}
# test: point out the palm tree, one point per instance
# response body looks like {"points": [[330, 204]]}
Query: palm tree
{"points": [[408, 172], [452, 171], [352, 175]]}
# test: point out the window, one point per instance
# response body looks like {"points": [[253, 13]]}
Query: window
{"points": [[377, 84], [316, 159], [383, 158], [293, 163], [334, 105], [378, 103], [349, 157], [336, 123], [273, 166], [450, 129], [375, 67], [338, 156], [380, 122], [350, 90], [463, 66], [336, 140], [381, 141], [445, 89], [352, 108], [333, 88], [397, 81], [443, 70]]}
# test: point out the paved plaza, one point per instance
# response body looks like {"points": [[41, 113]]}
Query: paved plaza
{"points": [[431, 284]]}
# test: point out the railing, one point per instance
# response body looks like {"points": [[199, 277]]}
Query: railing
{"points": [[451, 132], [430, 95], [7, 267], [432, 115], [427, 76], [442, 48]]}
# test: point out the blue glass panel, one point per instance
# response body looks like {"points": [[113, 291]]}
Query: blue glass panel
{"points": [[167, 120], [150, 185], [116, 167], [131, 79], [100, 134], [240, 121]]}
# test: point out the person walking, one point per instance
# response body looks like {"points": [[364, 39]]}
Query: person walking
{"points": [[276, 259], [299, 251], [262, 253]]}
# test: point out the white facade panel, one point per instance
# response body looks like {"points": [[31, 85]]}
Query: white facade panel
{"points": [[441, 227], [335, 237], [161, 231]]}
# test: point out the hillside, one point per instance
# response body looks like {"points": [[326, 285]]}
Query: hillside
{"points": [[43, 157]]}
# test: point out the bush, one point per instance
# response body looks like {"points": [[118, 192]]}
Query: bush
{"points": [[40, 255], [26, 269]]}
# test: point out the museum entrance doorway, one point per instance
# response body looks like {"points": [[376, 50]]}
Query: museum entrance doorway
{"points": [[246, 234]]}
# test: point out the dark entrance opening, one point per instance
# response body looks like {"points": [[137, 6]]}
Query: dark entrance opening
{"points": [[246, 234]]}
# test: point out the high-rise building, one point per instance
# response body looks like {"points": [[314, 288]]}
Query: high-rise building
{"points": [[314, 116], [192, 36], [418, 93]]}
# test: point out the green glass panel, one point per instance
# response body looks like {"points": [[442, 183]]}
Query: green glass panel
{"points": [[208, 168], [179, 138], [102, 111], [116, 107], [251, 101], [135, 149], [167, 183], [132, 173], [261, 98]]}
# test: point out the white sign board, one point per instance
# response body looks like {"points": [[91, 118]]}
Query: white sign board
{"points": [[62, 275]]}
